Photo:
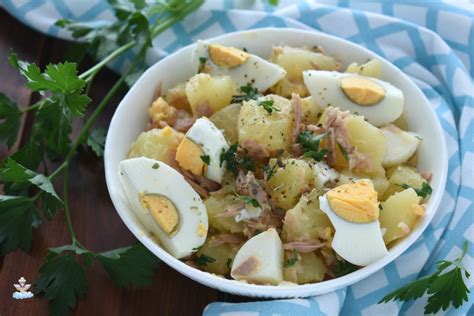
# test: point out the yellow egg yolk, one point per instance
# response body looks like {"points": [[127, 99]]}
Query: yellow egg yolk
{"points": [[162, 210], [355, 202], [361, 90], [188, 156], [227, 57]]}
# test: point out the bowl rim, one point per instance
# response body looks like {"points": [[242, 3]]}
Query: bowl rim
{"points": [[271, 291]]}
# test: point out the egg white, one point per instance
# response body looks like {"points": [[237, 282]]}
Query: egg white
{"points": [[144, 175], [267, 249], [360, 244], [212, 142], [324, 87], [256, 71], [400, 146]]}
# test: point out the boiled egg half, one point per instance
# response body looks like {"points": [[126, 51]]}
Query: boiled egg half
{"points": [[165, 204], [354, 211], [199, 151], [260, 259], [244, 68], [378, 101]]}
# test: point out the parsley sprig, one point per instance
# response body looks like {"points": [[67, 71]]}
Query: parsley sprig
{"points": [[250, 200], [444, 287], [424, 192], [310, 144], [249, 93], [291, 261], [64, 99], [268, 106], [234, 161]]}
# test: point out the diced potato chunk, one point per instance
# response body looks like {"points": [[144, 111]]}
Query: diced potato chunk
{"points": [[176, 97], [309, 268], [289, 181], [273, 131], [226, 119], [368, 139], [295, 61], [372, 68], [311, 112], [306, 221], [223, 256], [159, 144], [217, 204], [207, 95], [402, 175], [399, 214]]}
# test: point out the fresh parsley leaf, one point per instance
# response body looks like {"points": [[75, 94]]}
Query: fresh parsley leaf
{"points": [[60, 79], [96, 141], [10, 117], [18, 216], [202, 64], [155, 165], [310, 144], [203, 260], [444, 288], [292, 261], [206, 159], [52, 127], [233, 161], [424, 192], [343, 151], [229, 263], [250, 200], [268, 106], [270, 171], [30, 155], [249, 93], [18, 177], [62, 280], [134, 265], [344, 267]]}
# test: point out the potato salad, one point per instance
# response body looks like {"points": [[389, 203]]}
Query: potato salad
{"points": [[279, 171]]}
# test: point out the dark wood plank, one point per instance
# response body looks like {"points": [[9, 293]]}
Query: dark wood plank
{"points": [[97, 224]]}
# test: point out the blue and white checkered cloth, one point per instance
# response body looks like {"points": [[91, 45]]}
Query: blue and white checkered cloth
{"points": [[431, 41]]}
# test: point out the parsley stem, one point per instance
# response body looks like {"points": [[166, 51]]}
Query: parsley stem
{"points": [[30, 108], [67, 210], [87, 75], [163, 25]]}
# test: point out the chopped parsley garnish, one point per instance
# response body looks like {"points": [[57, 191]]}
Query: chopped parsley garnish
{"points": [[310, 144], [202, 64], [443, 288], [203, 260], [291, 262], [250, 93], [423, 192], [343, 151], [155, 165], [233, 161], [268, 106], [270, 171], [229, 263], [250, 200], [344, 267], [206, 159]]}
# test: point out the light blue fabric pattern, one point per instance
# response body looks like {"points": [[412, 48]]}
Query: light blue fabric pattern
{"points": [[431, 41]]}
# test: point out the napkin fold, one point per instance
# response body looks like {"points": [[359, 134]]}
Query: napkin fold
{"points": [[431, 41]]}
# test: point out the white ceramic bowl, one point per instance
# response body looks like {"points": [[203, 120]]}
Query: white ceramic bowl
{"points": [[130, 120]]}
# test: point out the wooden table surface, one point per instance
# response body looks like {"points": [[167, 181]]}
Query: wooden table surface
{"points": [[96, 222]]}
